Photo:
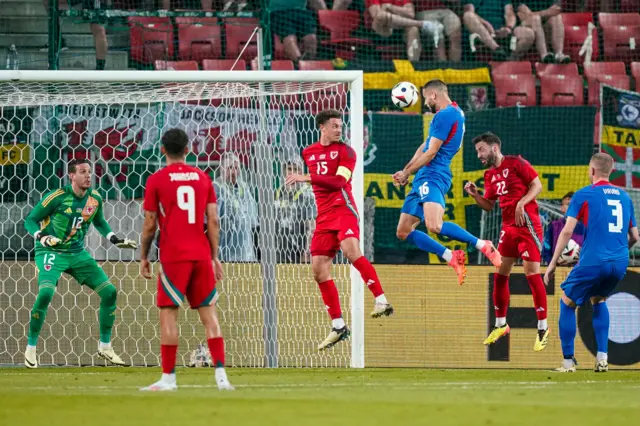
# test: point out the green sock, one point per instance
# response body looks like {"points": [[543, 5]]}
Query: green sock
{"points": [[108, 295], [39, 312]]}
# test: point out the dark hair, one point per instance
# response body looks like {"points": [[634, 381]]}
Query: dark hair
{"points": [[437, 85], [174, 142], [76, 162], [568, 195], [488, 138], [326, 115]]}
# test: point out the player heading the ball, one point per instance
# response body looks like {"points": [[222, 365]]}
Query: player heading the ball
{"points": [[515, 184], [607, 214], [432, 165], [331, 162], [59, 223], [177, 198]]}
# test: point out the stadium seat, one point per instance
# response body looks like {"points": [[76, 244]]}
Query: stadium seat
{"points": [[341, 24], [620, 33], [239, 32], [577, 19], [597, 69], [620, 81], [556, 69], [635, 72], [277, 65], [151, 39], [561, 90], [574, 38], [315, 65], [199, 38], [223, 65], [513, 67], [176, 65], [514, 89]]}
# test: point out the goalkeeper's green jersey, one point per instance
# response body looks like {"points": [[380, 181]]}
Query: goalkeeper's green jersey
{"points": [[65, 215]]}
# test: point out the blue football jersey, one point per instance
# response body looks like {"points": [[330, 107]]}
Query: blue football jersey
{"points": [[448, 126], [607, 214]]}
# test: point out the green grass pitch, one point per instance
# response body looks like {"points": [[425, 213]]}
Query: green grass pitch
{"points": [[283, 397]]}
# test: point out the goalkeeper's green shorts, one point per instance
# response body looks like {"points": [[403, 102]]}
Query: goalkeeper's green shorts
{"points": [[81, 266]]}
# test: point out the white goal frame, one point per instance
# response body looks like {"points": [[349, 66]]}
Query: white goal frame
{"points": [[356, 86]]}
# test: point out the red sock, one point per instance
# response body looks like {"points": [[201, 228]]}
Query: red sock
{"points": [[168, 357], [539, 293], [331, 298], [216, 348], [500, 295], [369, 275]]}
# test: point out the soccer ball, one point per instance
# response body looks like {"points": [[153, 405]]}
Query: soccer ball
{"points": [[404, 94], [570, 254]]}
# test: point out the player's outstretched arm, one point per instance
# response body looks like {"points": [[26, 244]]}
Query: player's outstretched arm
{"points": [[149, 228], [44, 209], [213, 234], [105, 230], [563, 240]]}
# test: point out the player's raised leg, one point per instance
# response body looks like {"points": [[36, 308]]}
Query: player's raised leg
{"points": [[321, 266], [351, 249], [501, 296]]}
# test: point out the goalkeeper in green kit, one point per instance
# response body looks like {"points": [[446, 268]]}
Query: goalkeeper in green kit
{"points": [[59, 223]]}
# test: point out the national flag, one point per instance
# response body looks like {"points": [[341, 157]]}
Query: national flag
{"points": [[626, 165]]}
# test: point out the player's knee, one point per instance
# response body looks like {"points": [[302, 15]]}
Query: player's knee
{"points": [[598, 299], [321, 275], [434, 227], [45, 296], [570, 303], [109, 295]]}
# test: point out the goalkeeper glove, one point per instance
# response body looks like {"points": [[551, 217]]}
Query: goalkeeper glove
{"points": [[47, 240], [123, 243]]}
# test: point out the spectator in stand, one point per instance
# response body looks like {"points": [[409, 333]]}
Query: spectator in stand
{"points": [[388, 15], [291, 19], [541, 15], [452, 28], [295, 218], [238, 211], [97, 29], [494, 21], [554, 229]]}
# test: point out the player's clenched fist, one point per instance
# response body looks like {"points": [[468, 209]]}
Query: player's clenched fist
{"points": [[145, 268], [294, 178], [400, 178], [217, 269], [471, 188], [50, 241]]}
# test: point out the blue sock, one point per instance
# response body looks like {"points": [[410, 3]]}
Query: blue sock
{"points": [[567, 326], [426, 243], [601, 325], [452, 230]]}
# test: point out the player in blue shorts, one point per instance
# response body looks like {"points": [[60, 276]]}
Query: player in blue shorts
{"points": [[431, 163], [607, 214]]}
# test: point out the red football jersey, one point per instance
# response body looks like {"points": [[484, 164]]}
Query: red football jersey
{"points": [[179, 194], [325, 161], [508, 183]]}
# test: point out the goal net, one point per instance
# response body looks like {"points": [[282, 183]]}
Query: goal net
{"points": [[247, 130]]}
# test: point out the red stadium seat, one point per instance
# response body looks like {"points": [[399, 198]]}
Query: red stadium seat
{"points": [[620, 31], [512, 90], [341, 24], [556, 69], [574, 38], [577, 19], [635, 72], [596, 69], [223, 65], [151, 39], [199, 38], [514, 67], [277, 65], [561, 90], [620, 81], [315, 65], [176, 65], [239, 32]]}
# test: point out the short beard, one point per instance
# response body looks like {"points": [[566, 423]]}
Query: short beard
{"points": [[491, 160], [432, 108]]}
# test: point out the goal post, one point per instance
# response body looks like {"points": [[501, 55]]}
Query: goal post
{"points": [[254, 123]]}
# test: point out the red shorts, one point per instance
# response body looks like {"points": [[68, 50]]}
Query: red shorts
{"points": [[521, 242], [194, 279], [331, 229]]}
